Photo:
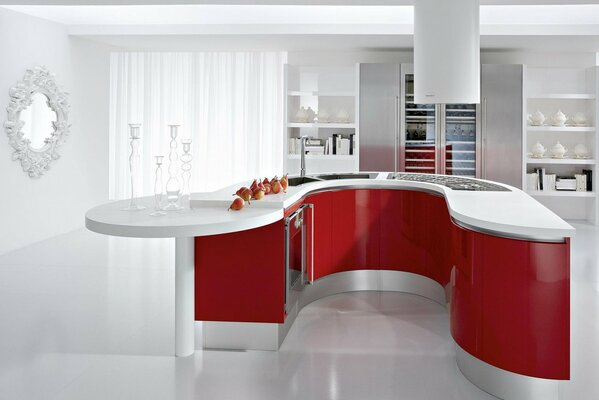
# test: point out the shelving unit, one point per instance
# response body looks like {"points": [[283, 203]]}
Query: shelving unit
{"points": [[559, 193], [570, 90], [563, 161], [331, 88]]}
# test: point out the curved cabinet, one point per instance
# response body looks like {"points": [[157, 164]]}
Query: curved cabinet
{"points": [[509, 299]]}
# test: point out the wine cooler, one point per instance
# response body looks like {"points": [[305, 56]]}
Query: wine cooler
{"points": [[437, 138]]}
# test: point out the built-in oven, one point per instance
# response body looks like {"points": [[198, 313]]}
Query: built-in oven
{"points": [[299, 241]]}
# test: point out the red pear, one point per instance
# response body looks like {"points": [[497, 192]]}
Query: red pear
{"points": [[254, 185], [237, 204], [246, 194], [267, 188], [284, 183], [258, 194], [276, 186], [266, 181]]}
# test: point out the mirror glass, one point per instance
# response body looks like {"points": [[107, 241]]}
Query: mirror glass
{"points": [[38, 119]]}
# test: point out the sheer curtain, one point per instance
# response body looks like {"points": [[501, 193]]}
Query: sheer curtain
{"points": [[229, 103]]}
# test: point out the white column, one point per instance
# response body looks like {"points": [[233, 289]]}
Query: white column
{"points": [[184, 296]]}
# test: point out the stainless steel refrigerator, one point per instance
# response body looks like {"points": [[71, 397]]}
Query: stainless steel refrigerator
{"points": [[398, 135]]}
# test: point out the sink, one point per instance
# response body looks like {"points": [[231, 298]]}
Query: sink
{"points": [[329, 177], [300, 180]]}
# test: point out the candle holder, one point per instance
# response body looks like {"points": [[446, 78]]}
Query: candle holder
{"points": [[158, 189], [134, 165], [173, 187], [186, 159]]}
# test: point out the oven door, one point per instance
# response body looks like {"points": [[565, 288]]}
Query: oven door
{"points": [[298, 252]]}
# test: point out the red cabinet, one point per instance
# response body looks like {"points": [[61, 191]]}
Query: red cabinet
{"points": [[240, 276], [509, 298], [322, 234], [403, 236], [355, 230]]}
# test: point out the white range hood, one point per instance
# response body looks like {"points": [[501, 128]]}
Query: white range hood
{"points": [[446, 51]]}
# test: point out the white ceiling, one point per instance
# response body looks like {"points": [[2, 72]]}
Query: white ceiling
{"points": [[563, 26]]}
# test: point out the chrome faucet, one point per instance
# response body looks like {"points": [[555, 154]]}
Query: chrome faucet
{"points": [[303, 155]]}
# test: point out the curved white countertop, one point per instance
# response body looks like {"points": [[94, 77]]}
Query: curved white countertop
{"points": [[511, 214]]}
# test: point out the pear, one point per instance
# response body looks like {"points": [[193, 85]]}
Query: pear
{"points": [[237, 204]]}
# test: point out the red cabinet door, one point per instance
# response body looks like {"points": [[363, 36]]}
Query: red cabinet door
{"points": [[322, 234], [403, 237], [240, 276], [355, 230], [438, 228], [466, 290]]}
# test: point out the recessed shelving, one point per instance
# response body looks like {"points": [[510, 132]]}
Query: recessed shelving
{"points": [[564, 96], [566, 161], [550, 128], [320, 125], [559, 193]]}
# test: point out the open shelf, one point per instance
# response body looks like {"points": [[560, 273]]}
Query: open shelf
{"points": [[549, 128], [559, 193], [564, 161], [565, 96]]}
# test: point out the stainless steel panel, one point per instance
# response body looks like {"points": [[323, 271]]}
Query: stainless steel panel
{"points": [[379, 90], [504, 384], [501, 90]]}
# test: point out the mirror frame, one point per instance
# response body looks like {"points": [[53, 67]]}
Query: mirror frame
{"points": [[36, 162]]}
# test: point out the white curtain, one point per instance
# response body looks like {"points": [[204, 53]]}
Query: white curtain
{"points": [[230, 104]]}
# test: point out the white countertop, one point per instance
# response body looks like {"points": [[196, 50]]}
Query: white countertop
{"points": [[512, 213]]}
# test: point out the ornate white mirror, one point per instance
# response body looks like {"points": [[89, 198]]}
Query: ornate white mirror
{"points": [[37, 122]]}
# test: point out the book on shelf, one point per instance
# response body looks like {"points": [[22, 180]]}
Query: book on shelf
{"points": [[589, 178], [566, 183], [581, 182], [540, 180]]}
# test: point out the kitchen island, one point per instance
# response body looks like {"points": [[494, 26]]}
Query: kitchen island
{"points": [[497, 257]]}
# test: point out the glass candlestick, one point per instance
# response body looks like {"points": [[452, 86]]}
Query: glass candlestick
{"points": [[186, 175], [173, 187], [158, 189], [134, 161]]}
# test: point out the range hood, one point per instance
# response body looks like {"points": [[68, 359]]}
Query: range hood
{"points": [[446, 52]]}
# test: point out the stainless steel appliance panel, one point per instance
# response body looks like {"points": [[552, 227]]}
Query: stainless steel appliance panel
{"points": [[379, 117], [501, 95]]}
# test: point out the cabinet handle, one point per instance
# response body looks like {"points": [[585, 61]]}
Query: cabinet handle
{"points": [[484, 139], [396, 150]]}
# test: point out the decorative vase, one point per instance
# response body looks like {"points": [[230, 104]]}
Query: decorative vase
{"points": [[186, 159], [134, 165], [173, 187], [158, 189]]}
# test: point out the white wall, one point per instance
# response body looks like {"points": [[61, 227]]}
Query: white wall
{"points": [[35, 209]]}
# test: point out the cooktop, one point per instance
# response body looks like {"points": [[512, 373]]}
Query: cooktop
{"points": [[453, 182]]}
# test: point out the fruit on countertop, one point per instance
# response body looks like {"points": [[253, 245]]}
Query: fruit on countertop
{"points": [[284, 182], [258, 194], [267, 188], [237, 204], [276, 185], [266, 181], [254, 185], [246, 194]]}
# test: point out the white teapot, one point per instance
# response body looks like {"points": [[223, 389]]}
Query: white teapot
{"points": [[559, 119], [581, 151], [323, 115], [579, 119], [558, 150], [301, 115], [342, 116], [538, 150], [537, 118]]}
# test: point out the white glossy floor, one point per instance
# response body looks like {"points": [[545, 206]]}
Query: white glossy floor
{"points": [[84, 316]]}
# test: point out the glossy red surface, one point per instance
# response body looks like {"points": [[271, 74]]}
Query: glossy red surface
{"points": [[240, 276], [509, 298]]}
